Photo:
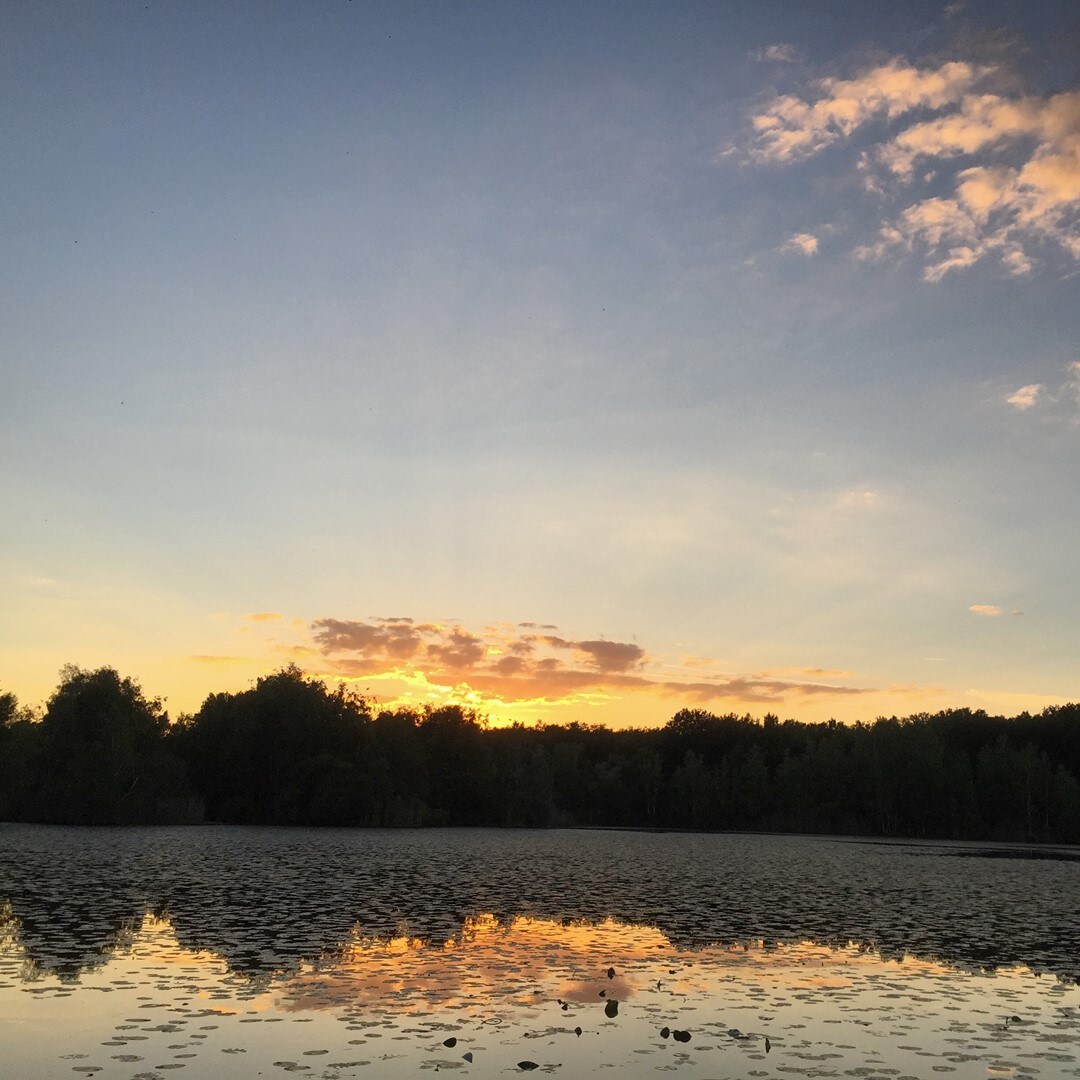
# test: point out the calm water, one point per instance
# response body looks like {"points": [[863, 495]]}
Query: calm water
{"points": [[241, 952]]}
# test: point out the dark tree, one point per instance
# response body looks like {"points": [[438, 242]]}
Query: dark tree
{"points": [[104, 759], [286, 751]]}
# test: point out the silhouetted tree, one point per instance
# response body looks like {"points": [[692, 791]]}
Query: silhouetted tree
{"points": [[293, 750], [103, 756], [19, 755], [285, 751]]}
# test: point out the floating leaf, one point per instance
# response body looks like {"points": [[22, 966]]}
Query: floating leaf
{"points": [[611, 1008]]}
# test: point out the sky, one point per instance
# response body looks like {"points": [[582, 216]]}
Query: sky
{"points": [[575, 362]]}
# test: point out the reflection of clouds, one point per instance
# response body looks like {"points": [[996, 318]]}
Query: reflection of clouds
{"points": [[530, 988], [269, 902], [491, 964], [504, 963], [513, 963]]}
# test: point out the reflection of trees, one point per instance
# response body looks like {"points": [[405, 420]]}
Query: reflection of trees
{"points": [[69, 937], [266, 900]]}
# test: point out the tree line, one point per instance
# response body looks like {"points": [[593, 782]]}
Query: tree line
{"points": [[291, 750]]}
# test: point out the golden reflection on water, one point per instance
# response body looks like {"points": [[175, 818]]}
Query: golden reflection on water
{"points": [[497, 994], [525, 956]]}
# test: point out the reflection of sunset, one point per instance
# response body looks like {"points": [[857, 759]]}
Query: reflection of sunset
{"points": [[514, 963], [590, 995], [517, 962], [526, 960]]}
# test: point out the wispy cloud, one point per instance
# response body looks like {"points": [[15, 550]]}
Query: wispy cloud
{"points": [[1062, 400], [264, 616], [1010, 164], [1027, 193], [805, 243], [857, 499], [1025, 397], [526, 664], [1071, 387], [990, 611], [792, 128], [777, 54], [34, 581]]}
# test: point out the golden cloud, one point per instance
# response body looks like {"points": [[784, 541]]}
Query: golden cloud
{"points": [[1018, 184], [516, 664], [1025, 397], [804, 243], [1062, 399], [990, 611], [790, 128]]}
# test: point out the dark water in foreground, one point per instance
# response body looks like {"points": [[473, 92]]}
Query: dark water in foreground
{"points": [[240, 952]]}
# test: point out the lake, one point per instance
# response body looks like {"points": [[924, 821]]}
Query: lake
{"points": [[216, 951]]}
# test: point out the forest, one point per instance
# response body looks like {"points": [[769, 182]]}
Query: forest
{"points": [[291, 750]]}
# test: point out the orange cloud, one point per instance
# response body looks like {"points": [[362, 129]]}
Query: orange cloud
{"points": [[1060, 400], [1025, 397], [804, 243], [1030, 195], [516, 664], [1019, 184], [790, 128], [990, 611], [264, 616]]}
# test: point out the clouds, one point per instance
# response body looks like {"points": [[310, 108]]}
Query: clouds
{"points": [[988, 611], [1025, 397], [777, 54], [804, 243], [1062, 400], [791, 128], [520, 663], [987, 175]]}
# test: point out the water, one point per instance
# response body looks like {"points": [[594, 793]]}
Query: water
{"points": [[243, 952]]}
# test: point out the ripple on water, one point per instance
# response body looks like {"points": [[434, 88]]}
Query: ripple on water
{"points": [[418, 946]]}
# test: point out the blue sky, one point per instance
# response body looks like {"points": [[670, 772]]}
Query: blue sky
{"points": [[743, 335]]}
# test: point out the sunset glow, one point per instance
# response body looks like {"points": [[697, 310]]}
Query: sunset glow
{"points": [[571, 364]]}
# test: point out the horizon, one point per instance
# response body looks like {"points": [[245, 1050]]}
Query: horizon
{"points": [[566, 364]]}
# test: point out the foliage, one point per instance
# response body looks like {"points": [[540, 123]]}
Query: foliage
{"points": [[292, 750], [98, 755]]}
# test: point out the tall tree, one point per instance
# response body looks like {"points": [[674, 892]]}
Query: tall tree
{"points": [[104, 760]]}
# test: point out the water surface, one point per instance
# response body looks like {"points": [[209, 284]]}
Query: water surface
{"points": [[242, 952]]}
